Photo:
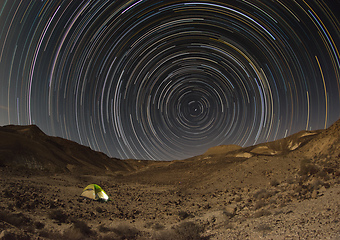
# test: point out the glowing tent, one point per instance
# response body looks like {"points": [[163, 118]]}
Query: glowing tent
{"points": [[95, 192]]}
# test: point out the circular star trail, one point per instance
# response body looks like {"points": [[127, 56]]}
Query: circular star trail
{"points": [[167, 80]]}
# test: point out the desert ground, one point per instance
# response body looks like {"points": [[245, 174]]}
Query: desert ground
{"points": [[287, 189]]}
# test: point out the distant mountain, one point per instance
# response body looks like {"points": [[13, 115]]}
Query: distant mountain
{"points": [[278, 147], [309, 144], [231, 164], [27, 147]]}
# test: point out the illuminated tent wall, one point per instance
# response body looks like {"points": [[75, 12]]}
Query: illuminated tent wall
{"points": [[95, 192]]}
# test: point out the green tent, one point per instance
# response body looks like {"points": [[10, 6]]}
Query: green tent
{"points": [[95, 192]]}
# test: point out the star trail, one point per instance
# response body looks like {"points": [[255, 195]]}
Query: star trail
{"points": [[166, 80]]}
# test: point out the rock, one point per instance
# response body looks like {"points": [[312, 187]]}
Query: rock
{"points": [[3, 234], [314, 194], [230, 210], [323, 189], [238, 198]]}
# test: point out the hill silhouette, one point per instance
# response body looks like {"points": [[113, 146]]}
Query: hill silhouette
{"points": [[27, 147]]}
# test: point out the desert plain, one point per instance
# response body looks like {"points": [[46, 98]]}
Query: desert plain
{"points": [[286, 189]]}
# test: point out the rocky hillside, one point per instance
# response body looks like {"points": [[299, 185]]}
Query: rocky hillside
{"points": [[27, 147]]}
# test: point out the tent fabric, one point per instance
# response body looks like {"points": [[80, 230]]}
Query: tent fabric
{"points": [[95, 192]]}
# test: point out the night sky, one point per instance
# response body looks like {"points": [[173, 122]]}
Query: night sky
{"points": [[166, 80]]}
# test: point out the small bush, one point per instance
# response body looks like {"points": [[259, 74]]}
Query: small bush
{"points": [[73, 234], [158, 226], [166, 235], [261, 213], [315, 184], [8, 193], [104, 229], [50, 235], [110, 236], [79, 230], [228, 225], [263, 193], [259, 204], [290, 180], [184, 231], [263, 227], [323, 174], [329, 170], [99, 210], [238, 199], [189, 230], [8, 235], [125, 232], [39, 225], [274, 182], [17, 219], [308, 168], [183, 215], [59, 215], [83, 228], [229, 211]]}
